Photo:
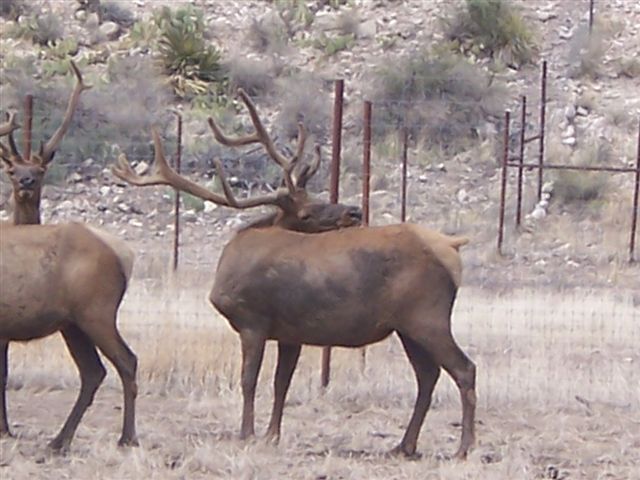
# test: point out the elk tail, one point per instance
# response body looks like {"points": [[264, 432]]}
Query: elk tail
{"points": [[457, 242]]}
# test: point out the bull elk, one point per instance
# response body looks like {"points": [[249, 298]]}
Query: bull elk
{"points": [[68, 278], [27, 174], [299, 280]]}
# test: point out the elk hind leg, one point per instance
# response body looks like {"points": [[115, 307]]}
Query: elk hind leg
{"points": [[92, 373], [252, 354], [105, 335], [288, 356], [446, 353], [4, 370], [427, 373]]}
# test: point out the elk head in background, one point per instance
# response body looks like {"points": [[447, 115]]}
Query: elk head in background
{"points": [[296, 209], [27, 174]]}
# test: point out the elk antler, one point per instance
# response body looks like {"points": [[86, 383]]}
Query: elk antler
{"points": [[163, 174], [10, 125], [308, 171], [13, 156], [261, 136], [48, 149]]}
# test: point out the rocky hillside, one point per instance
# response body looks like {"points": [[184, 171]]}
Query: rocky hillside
{"points": [[414, 59]]}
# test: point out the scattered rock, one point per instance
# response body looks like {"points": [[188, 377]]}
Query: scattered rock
{"points": [[109, 30], [462, 196], [141, 168], [570, 141]]}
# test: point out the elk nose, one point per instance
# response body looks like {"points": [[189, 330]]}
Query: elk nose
{"points": [[355, 213], [27, 182]]}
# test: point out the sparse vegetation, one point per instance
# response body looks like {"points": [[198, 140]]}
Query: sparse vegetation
{"points": [[628, 67], [579, 186], [586, 53], [254, 76], [494, 28], [440, 97], [332, 44], [44, 29], [12, 9], [303, 98], [193, 63]]}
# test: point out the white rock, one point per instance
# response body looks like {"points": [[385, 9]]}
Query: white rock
{"points": [[569, 132], [538, 213], [583, 112], [423, 178], [135, 223], [209, 207], [570, 113], [571, 141], [462, 195], [141, 168], [547, 187], [109, 30], [105, 190]]}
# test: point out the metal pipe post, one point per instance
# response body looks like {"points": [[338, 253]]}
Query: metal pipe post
{"points": [[366, 163], [636, 193], [176, 207], [523, 122], [503, 184], [334, 195], [543, 109], [405, 148]]}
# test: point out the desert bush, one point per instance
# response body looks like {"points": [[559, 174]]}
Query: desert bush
{"points": [[194, 64], [586, 52], [494, 28], [12, 9], [254, 76], [114, 115], [332, 44], [117, 13], [580, 186], [440, 97], [296, 15], [628, 67], [44, 29], [303, 98], [267, 34]]}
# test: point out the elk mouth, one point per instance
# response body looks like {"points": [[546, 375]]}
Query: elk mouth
{"points": [[25, 193], [351, 218]]}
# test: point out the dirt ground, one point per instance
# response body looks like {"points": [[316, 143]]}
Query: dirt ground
{"points": [[324, 438], [558, 397]]}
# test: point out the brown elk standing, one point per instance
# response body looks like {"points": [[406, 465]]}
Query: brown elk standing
{"points": [[68, 278], [349, 287]]}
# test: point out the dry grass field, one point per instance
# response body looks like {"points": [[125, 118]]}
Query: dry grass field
{"points": [[558, 397]]}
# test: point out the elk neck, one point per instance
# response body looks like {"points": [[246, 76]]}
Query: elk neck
{"points": [[26, 212]]}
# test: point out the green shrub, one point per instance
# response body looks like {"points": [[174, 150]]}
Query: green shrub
{"points": [[493, 28], [12, 9], [586, 52], [192, 63], [45, 29], [580, 186], [440, 97], [332, 44], [254, 76]]}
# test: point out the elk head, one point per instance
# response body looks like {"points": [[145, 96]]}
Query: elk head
{"points": [[27, 175], [296, 209]]}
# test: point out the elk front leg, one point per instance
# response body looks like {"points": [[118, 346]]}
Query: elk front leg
{"points": [[4, 369], [252, 353], [92, 372], [287, 360]]}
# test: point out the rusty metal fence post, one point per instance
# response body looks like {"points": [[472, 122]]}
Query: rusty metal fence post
{"points": [[28, 126], [523, 123], [591, 8], [176, 207], [503, 185], [543, 109], [334, 195], [405, 150], [366, 163], [636, 193]]}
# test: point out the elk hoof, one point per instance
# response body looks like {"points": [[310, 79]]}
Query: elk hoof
{"points": [[272, 438], [401, 451], [128, 442], [58, 447]]}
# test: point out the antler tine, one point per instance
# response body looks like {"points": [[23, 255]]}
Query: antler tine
{"points": [[309, 171], [10, 125], [163, 174], [48, 149], [259, 136]]}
